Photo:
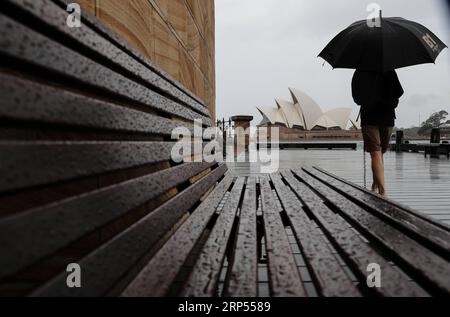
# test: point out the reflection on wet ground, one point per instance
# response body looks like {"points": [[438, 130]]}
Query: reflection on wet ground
{"points": [[411, 179]]}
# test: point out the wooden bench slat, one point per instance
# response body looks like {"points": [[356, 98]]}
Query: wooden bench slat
{"points": [[395, 204], [424, 263], [204, 278], [415, 225], [157, 276], [330, 277], [50, 14], [68, 81], [357, 251], [88, 83], [20, 42], [284, 277], [243, 274], [103, 267], [29, 164], [23, 100], [61, 223]]}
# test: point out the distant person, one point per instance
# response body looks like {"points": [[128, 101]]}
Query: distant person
{"points": [[378, 94]]}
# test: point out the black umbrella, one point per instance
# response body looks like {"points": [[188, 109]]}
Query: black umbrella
{"points": [[393, 44]]}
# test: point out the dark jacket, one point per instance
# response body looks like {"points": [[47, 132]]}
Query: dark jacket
{"points": [[378, 94]]}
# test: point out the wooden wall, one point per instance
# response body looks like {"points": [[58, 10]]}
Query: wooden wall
{"points": [[178, 35]]}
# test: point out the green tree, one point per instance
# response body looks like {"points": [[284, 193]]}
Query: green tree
{"points": [[434, 121]]}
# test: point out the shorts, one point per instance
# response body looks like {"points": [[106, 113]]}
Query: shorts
{"points": [[376, 139]]}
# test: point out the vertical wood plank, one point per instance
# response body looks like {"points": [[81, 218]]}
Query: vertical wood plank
{"points": [[284, 276], [330, 277], [204, 278], [243, 277]]}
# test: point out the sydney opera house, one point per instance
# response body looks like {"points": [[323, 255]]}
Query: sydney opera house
{"points": [[303, 118]]}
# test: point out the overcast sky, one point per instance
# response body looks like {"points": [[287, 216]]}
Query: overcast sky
{"points": [[265, 46]]}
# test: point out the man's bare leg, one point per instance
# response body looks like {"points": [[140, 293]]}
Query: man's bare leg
{"points": [[378, 172]]}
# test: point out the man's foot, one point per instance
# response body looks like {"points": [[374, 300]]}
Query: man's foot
{"points": [[375, 188]]}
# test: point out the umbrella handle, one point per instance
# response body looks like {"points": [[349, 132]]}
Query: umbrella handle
{"points": [[359, 115]]}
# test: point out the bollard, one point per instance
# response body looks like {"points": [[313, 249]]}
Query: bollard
{"points": [[399, 141], [435, 136], [242, 125], [436, 140]]}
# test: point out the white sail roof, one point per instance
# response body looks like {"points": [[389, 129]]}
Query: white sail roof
{"points": [[272, 115], [310, 109], [304, 112], [292, 114], [325, 122], [341, 116]]}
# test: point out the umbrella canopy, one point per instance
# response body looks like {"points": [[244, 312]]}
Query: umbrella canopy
{"points": [[394, 44]]}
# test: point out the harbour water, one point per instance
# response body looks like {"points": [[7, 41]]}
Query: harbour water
{"points": [[411, 179]]}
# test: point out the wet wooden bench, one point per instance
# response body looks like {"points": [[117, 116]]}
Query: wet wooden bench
{"points": [[87, 178], [86, 167], [320, 234]]}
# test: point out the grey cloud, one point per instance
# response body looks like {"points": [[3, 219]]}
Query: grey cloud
{"points": [[417, 100], [266, 46]]}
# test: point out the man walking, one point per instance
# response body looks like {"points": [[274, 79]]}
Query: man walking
{"points": [[378, 94]]}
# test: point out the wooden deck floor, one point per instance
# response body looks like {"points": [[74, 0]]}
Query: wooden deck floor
{"points": [[412, 180]]}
